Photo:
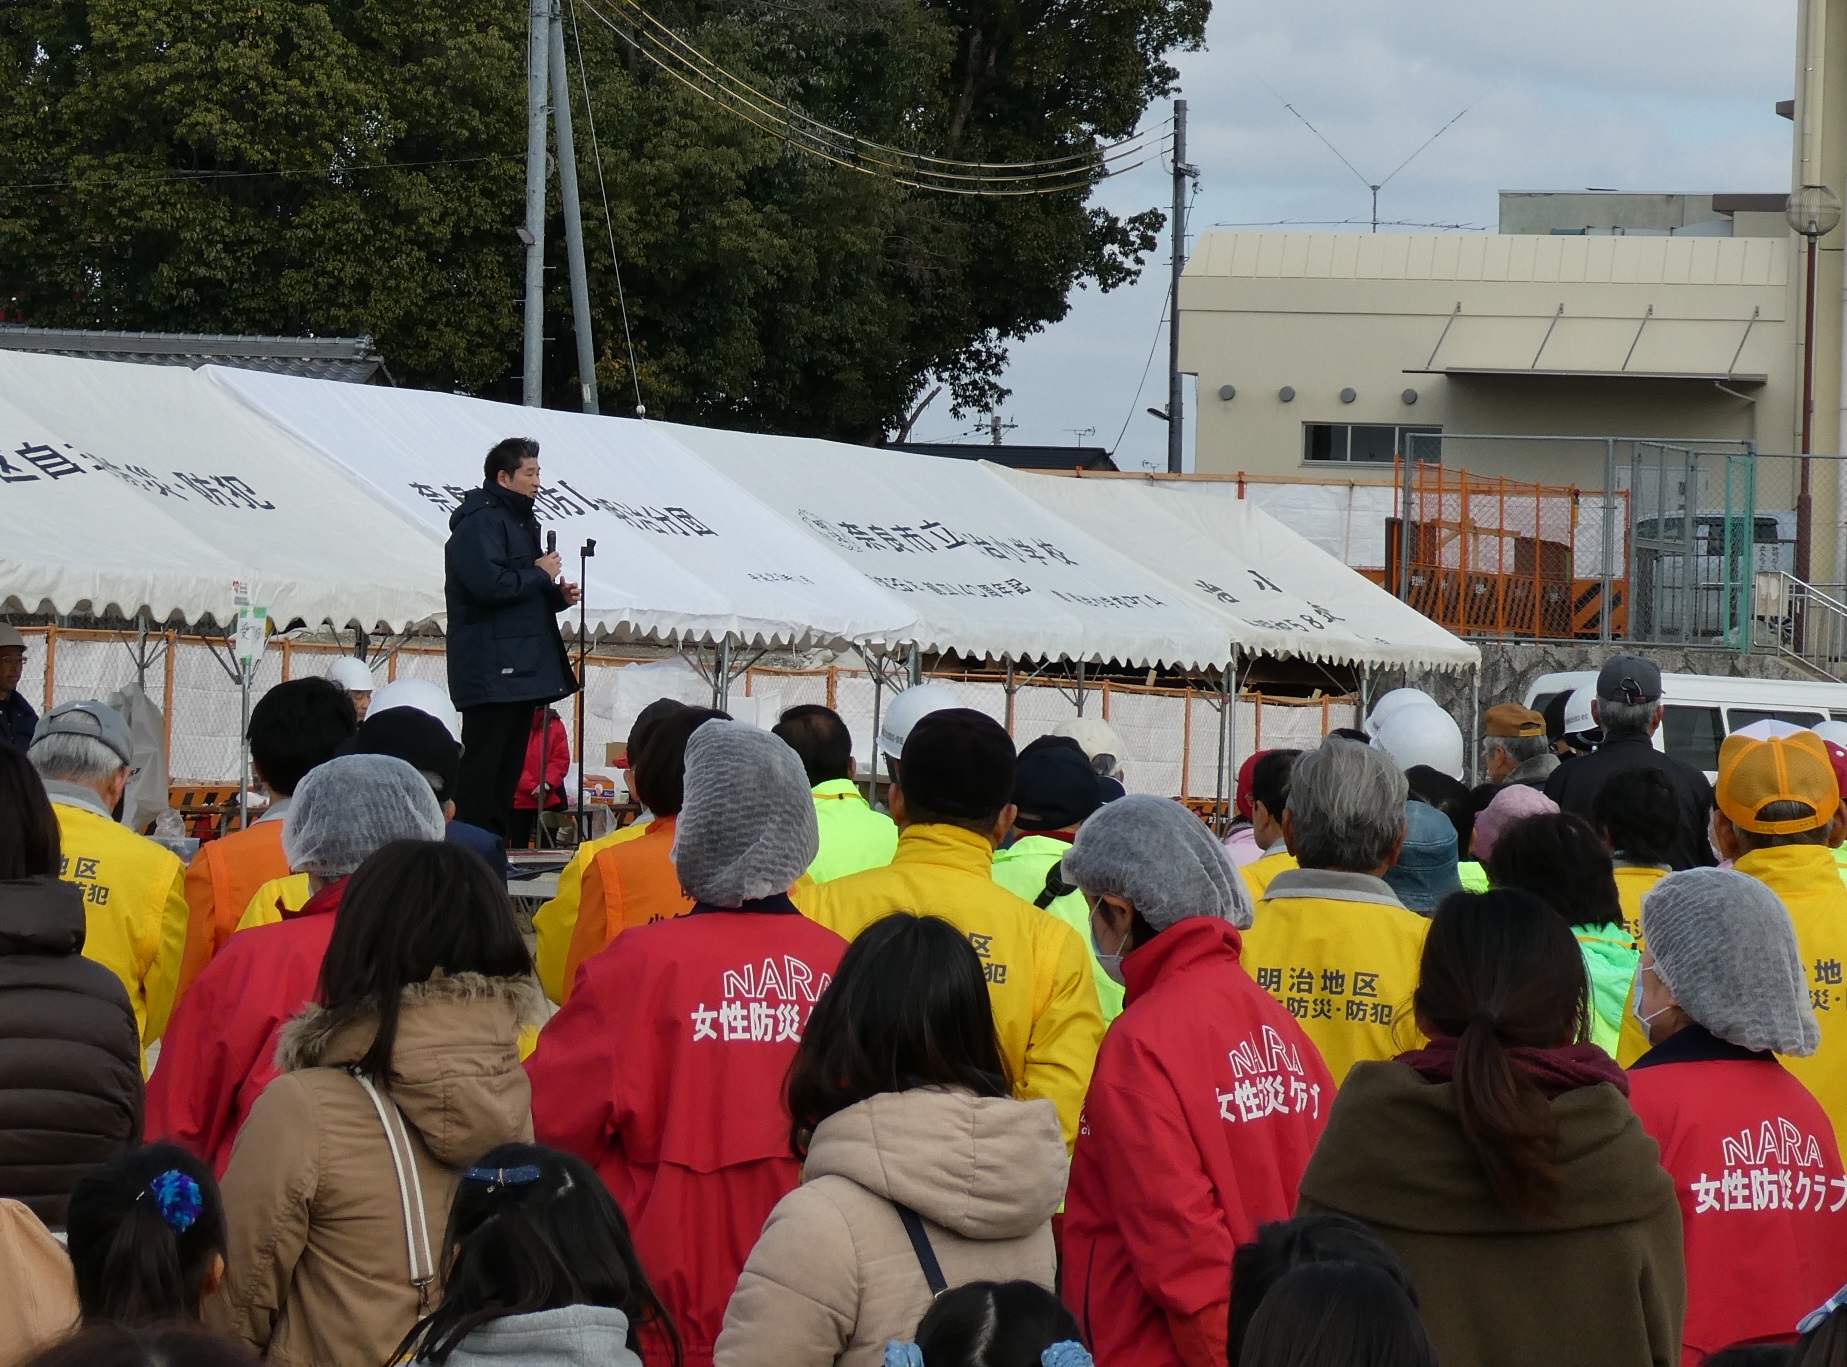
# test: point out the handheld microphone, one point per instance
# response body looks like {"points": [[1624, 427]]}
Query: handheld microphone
{"points": [[551, 543]]}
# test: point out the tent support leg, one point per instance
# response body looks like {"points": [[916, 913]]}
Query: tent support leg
{"points": [[1012, 689], [1080, 688], [245, 670], [1475, 727], [913, 667], [878, 700], [721, 676]]}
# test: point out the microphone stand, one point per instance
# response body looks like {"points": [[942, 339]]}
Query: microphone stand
{"points": [[584, 554]]}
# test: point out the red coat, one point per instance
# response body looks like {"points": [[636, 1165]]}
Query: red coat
{"points": [[665, 1071], [546, 742], [219, 1052], [1206, 1103], [1762, 1195]]}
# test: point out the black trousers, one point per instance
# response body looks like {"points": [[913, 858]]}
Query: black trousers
{"points": [[494, 739]]}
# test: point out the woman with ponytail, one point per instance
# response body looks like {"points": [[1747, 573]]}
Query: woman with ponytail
{"points": [[147, 1238], [542, 1273], [1503, 1163]]}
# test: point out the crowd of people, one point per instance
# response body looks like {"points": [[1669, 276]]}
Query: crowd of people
{"points": [[1021, 1071]]}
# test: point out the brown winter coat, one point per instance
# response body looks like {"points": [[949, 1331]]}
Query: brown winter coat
{"points": [[1602, 1283], [318, 1268], [834, 1276]]}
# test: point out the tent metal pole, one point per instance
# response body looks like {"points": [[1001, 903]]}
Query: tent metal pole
{"points": [[721, 676], [1365, 692], [1080, 688], [878, 698], [1475, 727], [1228, 700], [245, 670], [914, 666], [1012, 688]]}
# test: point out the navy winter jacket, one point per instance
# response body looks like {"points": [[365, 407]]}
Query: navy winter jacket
{"points": [[504, 643]]}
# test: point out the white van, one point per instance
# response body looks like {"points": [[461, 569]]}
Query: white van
{"points": [[1703, 709]]}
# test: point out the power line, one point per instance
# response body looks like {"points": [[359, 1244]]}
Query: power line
{"points": [[678, 59]]}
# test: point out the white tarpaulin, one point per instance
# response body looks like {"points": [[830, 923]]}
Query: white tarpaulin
{"points": [[987, 571], [682, 553], [125, 487], [1274, 592]]}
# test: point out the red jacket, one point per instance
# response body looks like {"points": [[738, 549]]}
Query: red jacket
{"points": [[1762, 1195], [219, 1052], [665, 1071], [1206, 1103], [546, 742]]}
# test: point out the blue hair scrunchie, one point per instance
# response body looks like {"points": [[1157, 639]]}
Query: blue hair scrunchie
{"points": [[903, 1354], [494, 1178], [178, 1199], [1066, 1353]]}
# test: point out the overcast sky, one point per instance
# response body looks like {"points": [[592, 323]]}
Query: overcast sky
{"points": [[1636, 95]]}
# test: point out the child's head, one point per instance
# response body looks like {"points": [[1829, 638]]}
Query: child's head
{"points": [[994, 1324], [533, 1229], [1284, 1245], [147, 1238], [1337, 1315]]}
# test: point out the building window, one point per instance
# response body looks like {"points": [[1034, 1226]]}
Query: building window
{"points": [[1366, 444]]}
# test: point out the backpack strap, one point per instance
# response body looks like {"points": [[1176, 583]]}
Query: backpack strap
{"points": [[926, 1255], [1055, 886], [410, 1190]]}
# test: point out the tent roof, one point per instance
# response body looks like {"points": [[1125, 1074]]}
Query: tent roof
{"points": [[1272, 591], [682, 553], [129, 487], [986, 570]]}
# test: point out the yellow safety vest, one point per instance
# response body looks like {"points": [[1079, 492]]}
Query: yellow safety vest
{"points": [[554, 923], [853, 836], [135, 911], [1038, 971], [1342, 959], [1259, 872], [268, 902]]}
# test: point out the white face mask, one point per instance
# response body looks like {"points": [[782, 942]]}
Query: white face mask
{"points": [[1110, 963], [1647, 1020]]}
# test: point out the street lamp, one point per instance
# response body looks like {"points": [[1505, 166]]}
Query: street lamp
{"points": [[1814, 211]]}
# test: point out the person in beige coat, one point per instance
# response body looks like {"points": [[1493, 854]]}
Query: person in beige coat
{"points": [[405, 1071], [921, 1171]]}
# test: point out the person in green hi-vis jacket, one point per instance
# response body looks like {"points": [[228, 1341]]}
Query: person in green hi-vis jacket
{"points": [[1055, 788]]}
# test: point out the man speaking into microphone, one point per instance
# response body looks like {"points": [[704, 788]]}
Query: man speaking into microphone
{"points": [[506, 654]]}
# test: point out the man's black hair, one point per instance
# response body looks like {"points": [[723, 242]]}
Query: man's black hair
{"points": [[821, 738], [1270, 780], [297, 725], [506, 458]]}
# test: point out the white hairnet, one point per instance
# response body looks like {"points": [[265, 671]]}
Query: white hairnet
{"points": [[1160, 859], [352, 806], [747, 828], [1724, 946], [1421, 733]]}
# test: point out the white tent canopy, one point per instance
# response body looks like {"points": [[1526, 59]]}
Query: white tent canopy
{"points": [[1274, 591], [987, 571], [130, 487], [682, 553]]}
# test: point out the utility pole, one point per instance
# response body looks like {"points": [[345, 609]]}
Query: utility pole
{"points": [[538, 53], [573, 214], [1176, 399], [547, 73]]}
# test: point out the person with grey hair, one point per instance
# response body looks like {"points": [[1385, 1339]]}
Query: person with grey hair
{"points": [[1207, 1098], [1628, 708], [134, 891], [1331, 940], [664, 1069], [1722, 991], [220, 1051]]}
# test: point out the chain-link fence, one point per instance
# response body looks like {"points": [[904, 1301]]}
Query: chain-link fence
{"points": [[1171, 734]]}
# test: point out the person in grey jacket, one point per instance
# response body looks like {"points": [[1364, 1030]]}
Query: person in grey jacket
{"points": [[534, 1227]]}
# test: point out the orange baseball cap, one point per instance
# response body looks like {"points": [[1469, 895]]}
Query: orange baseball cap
{"points": [[1755, 772]]}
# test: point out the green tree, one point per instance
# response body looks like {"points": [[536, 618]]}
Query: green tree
{"points": [[357, 166]]}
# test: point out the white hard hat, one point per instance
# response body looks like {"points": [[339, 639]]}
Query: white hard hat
{"points": [[911, 707], [1421, 735], [422, 695], [1392, 701], [1578, 718], [1835, 731], [351, 674], [1098, 738]]}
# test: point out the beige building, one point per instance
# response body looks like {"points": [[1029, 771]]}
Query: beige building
{"points": [[1325, 354]]}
